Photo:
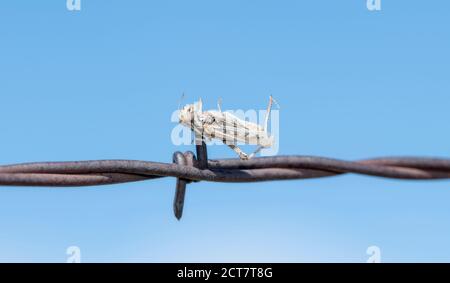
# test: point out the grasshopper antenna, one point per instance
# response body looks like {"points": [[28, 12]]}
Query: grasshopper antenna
{"points": [[219, 104], [269, 108], [180, 101], [200, 105], [276, 103]]}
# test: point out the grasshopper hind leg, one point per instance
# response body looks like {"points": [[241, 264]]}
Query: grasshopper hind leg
{"points": [[258, 149], [242, 155]]}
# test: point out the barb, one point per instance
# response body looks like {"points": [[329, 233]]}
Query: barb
{"points": [[186, 168]]}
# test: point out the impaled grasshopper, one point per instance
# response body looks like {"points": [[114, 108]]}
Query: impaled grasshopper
{"points": [[215, 124]]}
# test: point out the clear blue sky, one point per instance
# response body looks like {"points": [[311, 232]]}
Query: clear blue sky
{"points": [[102, 83]]}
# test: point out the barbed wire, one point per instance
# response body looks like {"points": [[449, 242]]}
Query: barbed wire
{"points": [[186, 167]]}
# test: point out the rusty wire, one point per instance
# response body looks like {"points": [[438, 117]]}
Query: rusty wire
{"points": [[187, 168]]}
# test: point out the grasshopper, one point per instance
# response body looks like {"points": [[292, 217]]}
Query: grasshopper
{"points": [[215, 124]]}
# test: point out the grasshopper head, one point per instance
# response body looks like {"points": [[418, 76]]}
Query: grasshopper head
{"points": [[187, 114]]}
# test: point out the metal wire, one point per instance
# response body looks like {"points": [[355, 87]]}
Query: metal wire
{"points": [[187, 168], [103, 172]]}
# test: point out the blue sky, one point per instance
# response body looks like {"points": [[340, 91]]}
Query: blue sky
{"points": [[101, 83]]}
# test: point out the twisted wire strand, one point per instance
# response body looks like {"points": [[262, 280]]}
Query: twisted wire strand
{"points": [[103, 172]]}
